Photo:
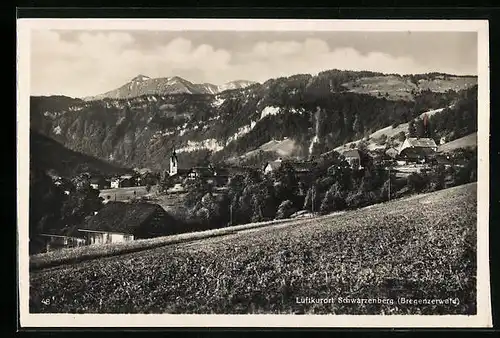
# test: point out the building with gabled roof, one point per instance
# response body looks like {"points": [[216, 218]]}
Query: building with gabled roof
{"points": [[415, 149], [140, 219]]}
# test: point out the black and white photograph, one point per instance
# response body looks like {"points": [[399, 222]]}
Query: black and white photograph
{"points": [[295, 172]]}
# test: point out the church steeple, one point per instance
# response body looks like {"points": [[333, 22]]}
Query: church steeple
{"points": [[173, 163]]}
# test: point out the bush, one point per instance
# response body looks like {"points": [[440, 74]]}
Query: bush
{"points": [[401, 136], [285, 210], [416, 182], [382, 140]]}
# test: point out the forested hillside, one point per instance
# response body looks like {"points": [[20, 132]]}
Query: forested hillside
{"points": [[317, 112]]}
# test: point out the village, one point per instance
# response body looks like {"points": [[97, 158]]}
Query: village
{"points": [[129, 201]]}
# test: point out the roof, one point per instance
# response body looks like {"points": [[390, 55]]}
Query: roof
{"points": [[59, 236], [121, 217], [423, 142], [274, 165], [126, 177], [101, 231], [227, 170], [97, 179], [352, 153], [181, 171], [415, 152], [303, 166], [203, 171]]}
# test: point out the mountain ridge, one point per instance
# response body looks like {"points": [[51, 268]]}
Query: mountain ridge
{"points": [[316, 113], [145, 85]]}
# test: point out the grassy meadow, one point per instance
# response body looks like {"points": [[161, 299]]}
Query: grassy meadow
{"points": [[418, 247]]}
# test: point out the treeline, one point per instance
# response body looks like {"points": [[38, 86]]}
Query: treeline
{"points": [[460, 119], [58, 209], [331, 186]]}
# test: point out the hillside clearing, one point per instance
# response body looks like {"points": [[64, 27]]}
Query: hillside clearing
{"points": [[404, 248], [468, 141], [388, 131]]}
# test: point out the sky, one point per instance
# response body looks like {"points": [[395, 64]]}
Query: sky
{"points": [[84, 63]]}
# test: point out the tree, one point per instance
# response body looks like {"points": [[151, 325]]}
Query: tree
{"points": [[415, 182], [285, 210], [412, 131], [402, 136], [312, 201], [358, 127], [383, 139], [197, 188], [437, 178], [333, 199], [285, 182], [427, 127], [419, 128], [363, 146], [165, 182], [45, 200], [79, 205]]}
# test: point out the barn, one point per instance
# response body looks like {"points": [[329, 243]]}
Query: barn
{"points": [[417, 150], [138, 220]]}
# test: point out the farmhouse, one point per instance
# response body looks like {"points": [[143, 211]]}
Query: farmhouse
{"points": [[356, 158], [53, 242], [99, 183], [419, 150], [201, 172], [104, 237], [123, 181], [300, 167], [272, 166], [139, 219]]}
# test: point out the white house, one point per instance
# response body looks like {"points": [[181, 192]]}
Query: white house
{"points": [[272, 166], [105, 237]]}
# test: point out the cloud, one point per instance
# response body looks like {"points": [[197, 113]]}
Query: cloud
{"points": [[95, 62], [281, 58], [98, 62]]}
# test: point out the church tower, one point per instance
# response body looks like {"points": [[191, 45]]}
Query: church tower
{"points": [[173, 163]]}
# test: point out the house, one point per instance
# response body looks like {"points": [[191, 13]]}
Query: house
{"points": [[201, 172], [99, 183], [104, 237], [272, 166], [123, 182], [139, 219], [417, 150], [300, 167], [442, 159], [53, 242], [354, 158]]}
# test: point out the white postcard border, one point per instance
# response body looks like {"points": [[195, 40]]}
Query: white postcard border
{"points": [[483, 317]]}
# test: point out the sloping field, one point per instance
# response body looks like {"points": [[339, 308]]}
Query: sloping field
{"points": [[388, 131], [468, 141], [284, 148], [419, 248], [399, 88]]}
